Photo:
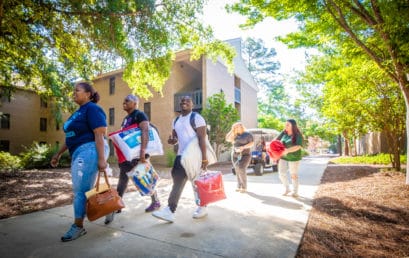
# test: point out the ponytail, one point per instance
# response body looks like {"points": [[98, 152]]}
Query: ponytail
{"points": [[94, 95]]}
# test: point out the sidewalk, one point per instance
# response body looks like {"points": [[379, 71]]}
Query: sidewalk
{"points": [[261, 223]]}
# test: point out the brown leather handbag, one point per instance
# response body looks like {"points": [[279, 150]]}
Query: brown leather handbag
{"points": [[102, 200]]}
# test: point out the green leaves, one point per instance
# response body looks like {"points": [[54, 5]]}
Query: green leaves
{"points": [[48, 45], [364, 57], [220, 116]]}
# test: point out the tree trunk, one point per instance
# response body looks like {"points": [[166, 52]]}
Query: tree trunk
{"points": [[404, 86], [339, 145], [354, 147], [346, 144], [394, 148], [407, 140], [217, 148]]}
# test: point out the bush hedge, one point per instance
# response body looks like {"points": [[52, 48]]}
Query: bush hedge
{"points": [[9, 162], [379, 159]]}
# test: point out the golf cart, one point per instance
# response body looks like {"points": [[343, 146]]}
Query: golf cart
{"points": [[259, 157]]}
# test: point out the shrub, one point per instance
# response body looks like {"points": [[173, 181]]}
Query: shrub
{"points": [[39, 156], [112, 159], [35, 156], [170, 158], [9, 162]]}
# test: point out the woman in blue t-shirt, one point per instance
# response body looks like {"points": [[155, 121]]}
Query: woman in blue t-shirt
{"points": [[84, 139], [292, 139]]}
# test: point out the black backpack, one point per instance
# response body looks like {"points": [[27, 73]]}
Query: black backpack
{"points": [[192, 120]]}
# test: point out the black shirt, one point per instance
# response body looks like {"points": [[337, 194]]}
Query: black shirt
{"points": [[243, 139]]}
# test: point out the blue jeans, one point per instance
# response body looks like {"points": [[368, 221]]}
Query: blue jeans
{"points": [[84, 171]]}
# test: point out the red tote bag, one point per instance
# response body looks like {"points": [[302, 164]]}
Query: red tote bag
{"points": [[209, 188], [276, 149]]}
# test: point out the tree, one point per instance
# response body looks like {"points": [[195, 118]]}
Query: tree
{"points": [[263, 65], [356, 94], [377, 28], [269, 121], [220, 117], [47, 45]]}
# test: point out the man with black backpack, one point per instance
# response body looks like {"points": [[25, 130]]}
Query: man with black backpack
{"points": [[138, 117], [185, 128]]}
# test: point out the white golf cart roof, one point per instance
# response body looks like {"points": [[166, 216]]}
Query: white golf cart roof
{"points": [[264, 131]]}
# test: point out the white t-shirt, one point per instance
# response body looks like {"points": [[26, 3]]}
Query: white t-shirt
{"points": [[185, 131]]}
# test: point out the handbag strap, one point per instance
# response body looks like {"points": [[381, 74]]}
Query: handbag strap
{"points": [[99, 176]]}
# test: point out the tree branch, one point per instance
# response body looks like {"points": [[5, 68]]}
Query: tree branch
{"points": [[340, 19], [92, 13]]}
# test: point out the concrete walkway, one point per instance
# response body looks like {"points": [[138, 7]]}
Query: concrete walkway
{"points": [[261, 223]]}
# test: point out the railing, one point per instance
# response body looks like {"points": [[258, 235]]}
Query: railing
{"points": [[196, 96], [237, 95]]}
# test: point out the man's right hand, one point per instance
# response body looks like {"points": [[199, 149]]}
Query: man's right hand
{"points": [[172, 140]]}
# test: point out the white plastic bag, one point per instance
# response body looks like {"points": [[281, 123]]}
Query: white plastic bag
{"points": [[128, 143]]}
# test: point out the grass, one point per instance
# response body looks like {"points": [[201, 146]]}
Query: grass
{"points": [[379, 159]]}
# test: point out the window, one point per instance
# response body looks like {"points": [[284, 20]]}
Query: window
{"points": [[43, 124], [4, 145], [147, 109], [43, 103], [112, 116], [5, 121], [112, 86]]}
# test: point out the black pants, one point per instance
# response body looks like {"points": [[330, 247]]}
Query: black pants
{"points": [[179, 181]]}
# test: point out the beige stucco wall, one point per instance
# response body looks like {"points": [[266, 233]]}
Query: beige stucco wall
{"points": [[217, 78], [25, 112], [183, 78], [248, 106], [186, 76]]}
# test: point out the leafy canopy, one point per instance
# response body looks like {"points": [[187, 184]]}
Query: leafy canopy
{"points": [[47, 45]]}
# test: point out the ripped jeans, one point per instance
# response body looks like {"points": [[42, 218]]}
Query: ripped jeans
{"points": [[84, 172], [283, 167]]}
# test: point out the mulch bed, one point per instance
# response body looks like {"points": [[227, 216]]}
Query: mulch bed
{"points": [[358, 211]]}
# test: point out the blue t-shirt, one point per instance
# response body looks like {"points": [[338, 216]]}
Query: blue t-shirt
{"points": [[79, 127]]}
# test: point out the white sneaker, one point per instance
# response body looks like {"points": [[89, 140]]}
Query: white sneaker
{"points": [[164, 214], [200, 212]]}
